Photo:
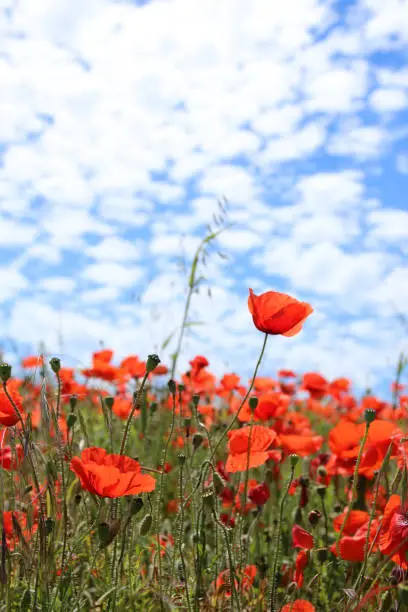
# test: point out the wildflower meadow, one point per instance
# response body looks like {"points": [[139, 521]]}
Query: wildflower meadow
{"points": [[126, 487]]}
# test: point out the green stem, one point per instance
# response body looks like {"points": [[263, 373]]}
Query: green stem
{"points": [[234, 420], [277, 542], [354, 488]]}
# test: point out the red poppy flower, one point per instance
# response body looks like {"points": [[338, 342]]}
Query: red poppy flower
{"points": [[238, 445], [132, 366], [198, 363], [315, 384], [300, 605], [110, 475], [301, 538], [277, 313], [32, 361], [355, 520], [300, 445], [300, 564], [259, 494], [352, 548], [8, 416], [8, 461], [394, 531]]}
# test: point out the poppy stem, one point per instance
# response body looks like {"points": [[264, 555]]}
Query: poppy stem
{"points": [[234, 420], [274, 584], [354, 487], [136, 404], [384, 465]]}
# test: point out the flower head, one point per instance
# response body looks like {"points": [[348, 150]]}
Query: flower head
{"points": [[277, 313], [110, 475]]}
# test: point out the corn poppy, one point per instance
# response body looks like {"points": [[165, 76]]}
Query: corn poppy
{"points": [[32, 361], [110, 475], [301, 538], [394, 531], [8, 416], [8, 461], [316, 385], [277, 313], [299, 605], [355, 520], [239, 444], [300, 445], [259, 494]]}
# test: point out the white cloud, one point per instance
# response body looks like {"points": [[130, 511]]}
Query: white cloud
{"points": [[114, 248], [361, 142], [11, 282], [112, 274], [57, 284], [13, 233], [384, 100]]}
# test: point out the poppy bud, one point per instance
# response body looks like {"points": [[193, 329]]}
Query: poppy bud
{"points": [[5, 371], [107, 533], [219, 483], [298, 518], [55, 364], [294, 459], [136, 504], [269, 477], [182, 459], [321, 471], [145, 524], [73, 402], [71, 420], [197, 440], [153, 407], [195, 399], [152, 362], [369, 415], [259, 494], [253, 403], [314, 517], [49, 525], [321, 490], [181, 387], [109, 401], [172, 387]]}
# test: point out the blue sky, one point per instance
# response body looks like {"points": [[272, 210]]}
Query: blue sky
{"points": [[121, 125]]}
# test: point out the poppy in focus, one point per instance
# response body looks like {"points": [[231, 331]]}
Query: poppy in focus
{"points": [[110, 475], [277, 313]]}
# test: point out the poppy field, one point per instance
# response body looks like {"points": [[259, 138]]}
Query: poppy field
{"points": [[124, 486]]}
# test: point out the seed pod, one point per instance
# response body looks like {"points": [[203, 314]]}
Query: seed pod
{"points": [[145, 524]]}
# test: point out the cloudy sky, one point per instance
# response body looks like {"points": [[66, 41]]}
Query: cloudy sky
{"points": [[122, 123]]}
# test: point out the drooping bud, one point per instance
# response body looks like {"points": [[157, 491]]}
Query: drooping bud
{"points": [[197, 440], [136, 505], [314, 517], [145, 524]]}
